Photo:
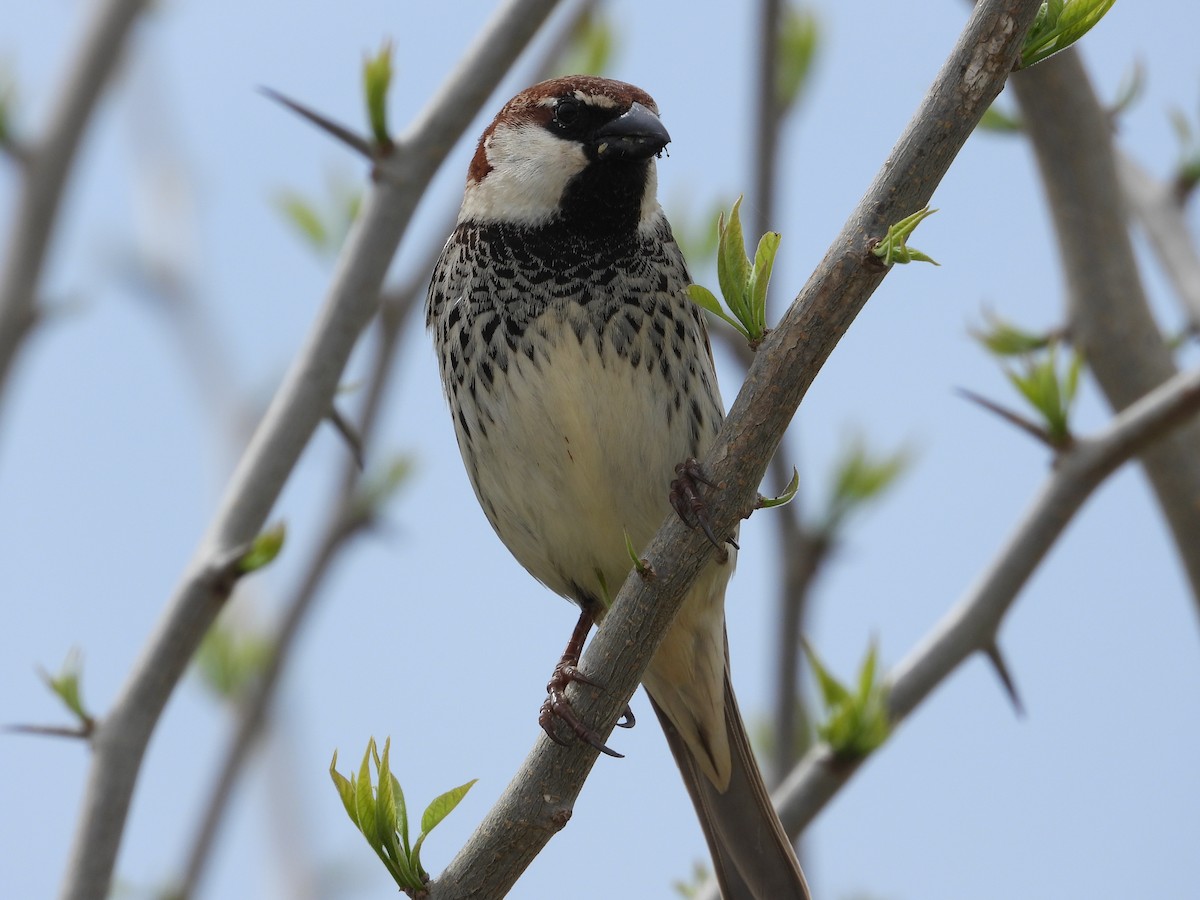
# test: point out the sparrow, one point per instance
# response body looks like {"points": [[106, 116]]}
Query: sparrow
{"points": [[581, 385]]}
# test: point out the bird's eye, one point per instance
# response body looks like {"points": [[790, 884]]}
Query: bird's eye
{"points": [[566, 112]]}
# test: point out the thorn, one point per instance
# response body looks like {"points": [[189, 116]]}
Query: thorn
{"points": [[1009, 416], [341, 132], [77, 732], [992, 652], [349, 434]]}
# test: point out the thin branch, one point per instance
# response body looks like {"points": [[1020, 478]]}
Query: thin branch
{"points": [[972, 624], [1111, 322], [539, 800], [1156, 206], [800, 552], [47, 162], [300, 404]]}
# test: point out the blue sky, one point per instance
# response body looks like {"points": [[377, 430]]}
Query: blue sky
{"points": [[111, 465]]}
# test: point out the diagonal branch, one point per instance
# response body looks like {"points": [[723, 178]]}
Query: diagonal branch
{"points": [[538, 801], [972, 624], [46, 164], [300, 404], [1111, 320]]}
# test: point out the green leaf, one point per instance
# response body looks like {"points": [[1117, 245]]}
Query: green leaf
{"points": [[1129, 91], [893, 248], [704, 298], [857, 724], [833, 692], [437, 810], [743, 285], [229, 660], [999, 121], [380, 486], [364, 800], [640, 565], [303, 216], [733, 266], [264, 549], [866, 675], [377, 79], [1005, 339], [859, 477], [345, 790], [1058, 25], [590, 48], [67, 686], [760, 277], [401, 814], [786, 497], [799, 38], [443, 805], [385, 803], [1049, 392]]}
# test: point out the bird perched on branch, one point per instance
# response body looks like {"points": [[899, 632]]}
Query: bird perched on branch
{"points": [[579, 377]]}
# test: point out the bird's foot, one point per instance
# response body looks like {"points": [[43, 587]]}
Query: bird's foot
{"points": [[689, 503], [557, 708]]}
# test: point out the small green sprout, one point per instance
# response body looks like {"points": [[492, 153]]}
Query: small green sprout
{"points": [[1038, 376], [263, 549], [590, 48], [1050, 391], [799, 38], [379, 487], [377, 79], [894, 246], [230, 660], [1003, 338], [67, 686], [323, 226], [641, 566], [789, 494], [378, 811], [855, 723], [859, 477], [1059, 24], [999, 121], [743, 284]]}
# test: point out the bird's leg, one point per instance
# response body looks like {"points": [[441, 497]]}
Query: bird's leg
{"points": [[687, 501], [558, 708]]}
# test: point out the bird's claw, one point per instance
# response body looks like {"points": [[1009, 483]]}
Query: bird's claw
{"points": [[690, 506], [557, 708]]}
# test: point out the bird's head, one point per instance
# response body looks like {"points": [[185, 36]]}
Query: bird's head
{"points": [[578, 149]]}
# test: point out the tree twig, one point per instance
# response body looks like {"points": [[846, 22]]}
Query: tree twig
{"points": [[1156, 206], [46, 163], [1111, 322], [972, 624], [539, 800], [297, 408]]}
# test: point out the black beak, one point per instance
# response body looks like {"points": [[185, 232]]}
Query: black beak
{"points": [[635, 134]]}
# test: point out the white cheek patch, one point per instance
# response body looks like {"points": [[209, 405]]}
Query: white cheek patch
{"points": [[530, 169]]}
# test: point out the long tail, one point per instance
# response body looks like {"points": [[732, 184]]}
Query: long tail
{"points": [[751, 854]]}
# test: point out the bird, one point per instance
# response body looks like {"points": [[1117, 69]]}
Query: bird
{"points": [[581, 384]]}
